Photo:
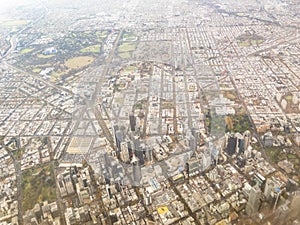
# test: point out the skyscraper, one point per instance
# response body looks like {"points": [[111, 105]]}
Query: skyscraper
{"points": [[231, 144], [132, 122], [136, 171], [149, 154], [191, 142], [197, 135], [240, 143], [247, 138], [206, 160], [124, 155], [253, 203], [119, 139]]}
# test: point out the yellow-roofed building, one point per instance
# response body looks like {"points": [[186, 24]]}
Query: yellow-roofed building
{"points": [[162, 210]]}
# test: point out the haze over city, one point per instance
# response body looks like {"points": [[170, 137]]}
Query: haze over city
{"points": [[149, 112]]}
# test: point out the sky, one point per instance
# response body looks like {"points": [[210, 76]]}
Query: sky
{"points": [[6, 5]]}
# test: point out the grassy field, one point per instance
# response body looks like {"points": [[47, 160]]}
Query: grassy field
{"points": [[288, 97], [129, 37], [56, 76], [256, 42], [126, 47], [129, 69], [37, 70], [244, 44], [250, 42], [91, 49], [26, 50], [274, 154], [78, 62], [38, 185], [101, 35], [125, 55]]}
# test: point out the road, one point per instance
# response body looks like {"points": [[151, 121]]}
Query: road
{"points": [[38, 77]]}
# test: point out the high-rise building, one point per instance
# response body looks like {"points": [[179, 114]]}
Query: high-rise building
{"points": [[214, 152], [254, 202], [117, 135], [197, 135], [247, 138], [140, 149], [124, 155], [273, 190], [132, 122], [119, 139], [206, 160], [191, 143], [149, 154], [231, 144], [136, 171], [131, 148], [240, 143]]}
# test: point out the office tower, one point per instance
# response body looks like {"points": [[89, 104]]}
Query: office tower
{"points": [[214, 152], [240, 143], [113, 169], [187, 169], [231, 144], [247, 139], [191, 142], [140, 149], [131, 148], [124, 155], [119, 139], [132, 122], [197, 135], [253, 203], [273, 190], [269, 188], [206, 160], [136, 171], [149, 154]]}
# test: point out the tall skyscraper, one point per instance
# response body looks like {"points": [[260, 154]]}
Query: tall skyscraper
{"points": [[149, 154], [191, 142], [206, 160], [240, 143], [124, 155], [197, 135], [253, 203], [119, 139], [214, 152], [132, 122], [139, 151], [131, 148], [231, 144], [247, 138], [136, 171]]}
